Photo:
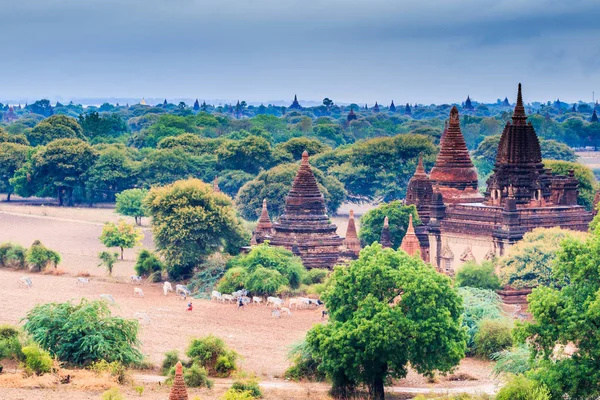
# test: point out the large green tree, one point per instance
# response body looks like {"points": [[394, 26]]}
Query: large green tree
{"points": [[113, 171], [250, 154], [121, 235], [55, 127], [190, 221], [275, 184], [297, 146], [387, 311], [568, 314], [371, 223], [12, 157], [131, 204]]}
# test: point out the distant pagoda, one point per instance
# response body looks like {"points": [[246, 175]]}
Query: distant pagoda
{"points": [[454, 172], [410, 242], [505, 103], [351, 115], [351, 242], [386, 238], [295, 105], [178, 390], [468, 104], [376, 107], [264, 228], [304, 226], [594, 116], [407, 109], [392, 107], [196, 105]]}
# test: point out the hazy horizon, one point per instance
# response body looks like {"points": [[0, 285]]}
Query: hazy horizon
{"points": [[267, 50]]}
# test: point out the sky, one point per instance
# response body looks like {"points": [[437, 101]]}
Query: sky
{"points": [[425, 51]]}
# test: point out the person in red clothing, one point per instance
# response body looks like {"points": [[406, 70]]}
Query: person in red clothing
{"points": [[190, 306]]}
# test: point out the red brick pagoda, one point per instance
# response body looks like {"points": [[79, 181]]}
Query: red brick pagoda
{"points": [[386, 238], [178, 390], [264, 228], [304, 226], [351, 243], [410, 243]]}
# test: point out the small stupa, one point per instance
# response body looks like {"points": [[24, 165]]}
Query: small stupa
{"points": [[178, 390], [386, 238], [264, 228], [410, 242], [351, 242], [216, 187], [392, 107], [295, 105], [351, 115]]}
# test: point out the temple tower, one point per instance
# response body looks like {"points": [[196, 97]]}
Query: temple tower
{"points": [[386, 238], [392, 107], [376, 107], [594, 116], [178, 390], [410, 242], [351, 242], [304, 225], [264, 228], [351, 115], [295, 105], [407, 109], [454, 172], [420, 193]]}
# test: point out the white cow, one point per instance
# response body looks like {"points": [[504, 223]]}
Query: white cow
{"points": [[108, 298], [216, 295], [256, 300], [82, 281], [276, 301], [138, 291], [182, 290], [167, 288], [26, 282], [286, 310], [227, 297], [135, 279], [275, 314]]}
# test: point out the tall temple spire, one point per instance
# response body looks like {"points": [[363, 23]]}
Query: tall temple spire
{"points": [[519, 117], [420, 169], [392, 107], [594, 116], [351, 115], [264, 222], [410, 242], [386, 238], [216, 188], [178, 390], [454, 172], [295, 105], [376, 107], [351, 241]]}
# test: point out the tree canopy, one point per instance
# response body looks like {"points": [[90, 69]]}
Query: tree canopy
{"points": [[371, 223]]}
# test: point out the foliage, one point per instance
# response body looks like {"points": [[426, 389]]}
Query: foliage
{"points": [[297, 146], [12, 255], [170, 360], [53, 128], [11, 343], [315, 275], [37, 360], [492, 336], [114, 368], [193, 376], [516, 360], [233, 280], [209, 273], [83, 333], [131, 203], [247, 384], [371, 223], [529, 262], [551, 150], [264, 281], [121, 235], [480, 276], [108, 260], [190, 221], [479, 305], [584, 175], [206, 352], [522, 388], [381, 318], [147, 263], [112, 394], [275, 184], [115, 169], [12, 157], [565, 314], [232, 394], [304, 365], [39, 256]]}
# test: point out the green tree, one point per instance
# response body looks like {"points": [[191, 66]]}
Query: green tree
{"points": [[190, 221], [381, 319], [55, 127], [371, 223], [121, 235], [480, 276], [529, 262], [131, 204], [83, 333], [250, 154], [166, 166], [12, 157], [113, 171], [39, 256], [297, 146], [584, 175], [108, 260], [275, 184], [96, 126], [568, 314]]}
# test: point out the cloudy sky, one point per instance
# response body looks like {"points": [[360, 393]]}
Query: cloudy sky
{"points": [[259, 50]]}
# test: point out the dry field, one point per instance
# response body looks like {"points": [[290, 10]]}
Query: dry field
{"points": [[261, 340]]}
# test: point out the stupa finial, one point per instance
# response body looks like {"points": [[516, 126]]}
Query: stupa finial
{"points": [[305, 158], [519, 115]]}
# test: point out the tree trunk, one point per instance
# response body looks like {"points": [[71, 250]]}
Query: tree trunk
{"points": [[121, 253], [378, 390], [8, 196], [60, 197]]}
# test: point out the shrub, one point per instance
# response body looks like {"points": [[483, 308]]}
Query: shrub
{"points": [[108, 260], [521, 388], [304, 366], [12, 255], [478, 276], [37, 360], [193, 376], [478, 304], [10, 343], [514, 361], [171, 358], [264, 281], [115, 369], [492, 337], [207, 350], [233, 394], [232, 280], [39, 256], [247, 384], [64, 329], [113, 394], [209, 273], [317, 289], [315, 275], [147, 263]]}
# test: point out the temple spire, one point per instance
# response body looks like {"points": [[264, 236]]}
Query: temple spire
{"points": [[410, 242], [351, 241], [178, 390], [386, 238], [519, 115], [216, 188], [594, 116], [420, 169], [351, 115], [305, 157]]}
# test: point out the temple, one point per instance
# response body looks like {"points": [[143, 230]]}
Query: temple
{"points": [[392, 107], [468, 104], [351, 115], [410, 242], [376, 107], [304, 227], [295, 105], [462, 225], [407, 109], [264, 228], [178, 390], [351, 244], [386, 238], [594, 116]]}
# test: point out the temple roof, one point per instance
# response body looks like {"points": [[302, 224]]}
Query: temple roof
{"points": [[420, 191], [454, 172], [386, 238], [351, 115], [264, 222], [410, 242], [295, 105], [392, 107], [178, 390], [351, 241]]}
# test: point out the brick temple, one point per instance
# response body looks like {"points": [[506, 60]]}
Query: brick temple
{"points": [[304, 227], [460, 224]]}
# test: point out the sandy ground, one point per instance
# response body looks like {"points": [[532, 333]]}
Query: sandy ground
{"points": [[261, 340], [590, 159]]}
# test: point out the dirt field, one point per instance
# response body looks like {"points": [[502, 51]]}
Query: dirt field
{"points": [[261, 340]]}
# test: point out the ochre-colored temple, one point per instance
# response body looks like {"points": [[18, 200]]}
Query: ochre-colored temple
{"points": [[304, 226], [461, 225], [410, 242], [351, 243], [264, 228], [178, 390]]}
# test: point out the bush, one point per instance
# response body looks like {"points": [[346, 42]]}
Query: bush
{"points": [[10, 343], [64, 329], [39, 256], [193, 376], [233, 394], [37, 360], [12, 255], [263, 281], [521, 388], [493, 336], [247, 384], [171, 358], [304, 366], [147, 263], [113, 394], [478, 276], [206, 352], [514, 361], [232, 281], [115, 369], [478, 304], [209, 273], [315, 275]]}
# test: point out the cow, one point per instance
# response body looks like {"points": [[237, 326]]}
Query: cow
{"points": [[26, 282], [167, 287], [276, 301], [108, 298], [215, 295], [138, 291], [227, 297], [286, 310], [82, 281], [135, 279], [256, 300], [182, 290]]}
